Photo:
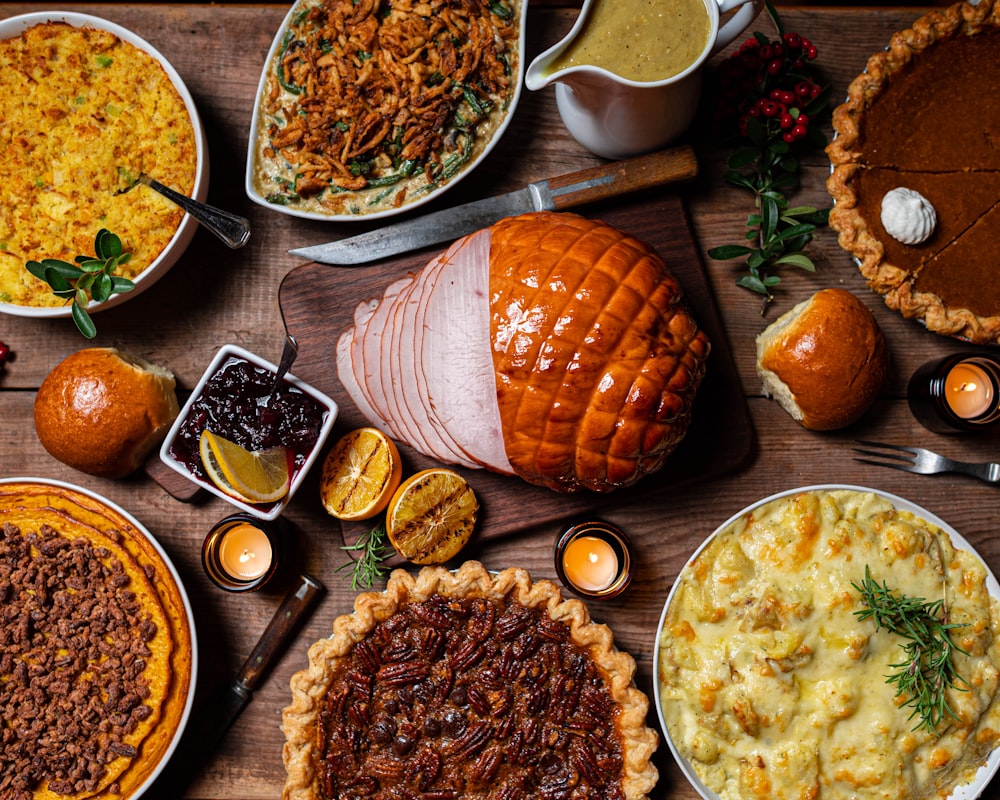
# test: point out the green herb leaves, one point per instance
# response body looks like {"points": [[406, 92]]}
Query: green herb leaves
{"points": [[368, 567], [772, 95], [778, 233], [927, 672], [91, 277]]}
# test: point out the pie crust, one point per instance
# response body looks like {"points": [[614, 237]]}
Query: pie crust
{"points": [[503, 708], [67, 538], [925, 115]]}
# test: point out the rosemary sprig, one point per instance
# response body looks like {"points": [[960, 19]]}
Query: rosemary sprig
{"points": [[928, 671], [91, 277], [369, 567]]}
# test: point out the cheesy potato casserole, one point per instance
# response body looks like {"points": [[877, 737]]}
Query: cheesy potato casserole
{"points": [[771, 684], [84, 113]]}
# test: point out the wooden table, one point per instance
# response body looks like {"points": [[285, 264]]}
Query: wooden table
{"points": [[214, 296]]}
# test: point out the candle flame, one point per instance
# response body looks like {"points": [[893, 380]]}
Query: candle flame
{"points": [[967, 386], [246, 555]]}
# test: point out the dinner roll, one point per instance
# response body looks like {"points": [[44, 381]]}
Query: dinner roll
{"points": [[102, 411], [824, 361]]}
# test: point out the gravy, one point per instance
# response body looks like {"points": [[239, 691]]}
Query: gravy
{"points": [[640, 40]]}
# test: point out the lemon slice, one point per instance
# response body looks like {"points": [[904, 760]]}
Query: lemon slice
{"points": [[259, 476], [360, 474], [431, 516]]}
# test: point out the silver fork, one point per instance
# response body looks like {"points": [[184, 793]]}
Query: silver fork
{"points": [[923, 462]]}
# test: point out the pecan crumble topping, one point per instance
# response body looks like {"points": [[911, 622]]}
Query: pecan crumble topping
{"points": [[73, 649]]}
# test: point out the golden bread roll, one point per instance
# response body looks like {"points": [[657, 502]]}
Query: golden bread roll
{"points": [[102, 412], [824, 361]]}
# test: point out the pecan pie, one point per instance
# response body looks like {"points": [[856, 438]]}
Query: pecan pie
{"points": [[925, 115], [95, 648], [467, 685]]}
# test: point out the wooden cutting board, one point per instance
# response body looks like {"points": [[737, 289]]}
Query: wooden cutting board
{"points": [[317, 302]]}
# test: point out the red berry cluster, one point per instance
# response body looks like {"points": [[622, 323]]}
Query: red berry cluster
{"points": [[771, 81], [5, 354]]}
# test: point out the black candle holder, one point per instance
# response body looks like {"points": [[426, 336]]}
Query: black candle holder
{"points": [[617, 546], [213, 556], [934, 393]]}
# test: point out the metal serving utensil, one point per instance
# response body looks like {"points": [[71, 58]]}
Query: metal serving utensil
{"points": [[231, 228], [923, 462], [288, 355]]}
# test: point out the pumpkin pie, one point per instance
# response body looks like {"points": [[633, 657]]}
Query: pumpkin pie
{"points": [[467, 684], [925, 116]]}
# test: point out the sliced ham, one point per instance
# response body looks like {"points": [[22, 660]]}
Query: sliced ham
{"points": [[548, 346]]}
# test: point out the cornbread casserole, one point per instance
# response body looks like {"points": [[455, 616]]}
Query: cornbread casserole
{"points": [[95, 648], [467, 685], [367, 106], [772, 687], [84, 113]]}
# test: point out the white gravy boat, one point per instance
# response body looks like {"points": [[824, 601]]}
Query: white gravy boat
{"points": [[614, 117]]}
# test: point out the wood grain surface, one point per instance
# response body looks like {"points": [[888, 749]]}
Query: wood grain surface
{"points": [[213, 296]]}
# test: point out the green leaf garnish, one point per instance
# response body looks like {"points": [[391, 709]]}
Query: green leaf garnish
{"points": [[90, 278]]}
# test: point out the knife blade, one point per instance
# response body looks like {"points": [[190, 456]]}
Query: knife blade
{"points": [[555, 194], [204, 734]]}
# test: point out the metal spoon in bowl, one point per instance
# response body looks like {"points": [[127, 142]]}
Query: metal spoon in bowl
{"points": [[288, 355], [231, 228]]}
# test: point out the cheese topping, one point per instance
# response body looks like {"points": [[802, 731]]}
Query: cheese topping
{"points": [[772, 687]]}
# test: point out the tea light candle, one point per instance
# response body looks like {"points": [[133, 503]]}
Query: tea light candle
{"points": [[957, 393], [245, 551], [968, 390], [593, 559], [590, 563], [240, 553]]}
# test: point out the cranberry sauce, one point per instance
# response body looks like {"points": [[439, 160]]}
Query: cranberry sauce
{"points": [[236, 403]]}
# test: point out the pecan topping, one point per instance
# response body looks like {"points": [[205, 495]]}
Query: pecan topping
{"points": [[73, 649], [469, 698]]}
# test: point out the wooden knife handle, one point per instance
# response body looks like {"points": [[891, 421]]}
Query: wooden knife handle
{"points": [[279, 630], [620, 177]]}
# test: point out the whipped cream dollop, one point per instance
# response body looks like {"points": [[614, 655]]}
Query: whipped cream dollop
{"points": [[908, 216]]}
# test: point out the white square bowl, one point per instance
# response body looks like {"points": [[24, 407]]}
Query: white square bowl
{"points": [[273, 510]]}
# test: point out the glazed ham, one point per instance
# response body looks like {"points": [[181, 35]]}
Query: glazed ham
{"points": [[548, 346]]}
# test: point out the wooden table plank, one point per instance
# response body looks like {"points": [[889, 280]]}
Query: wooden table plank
{"points": [[214, 295]]}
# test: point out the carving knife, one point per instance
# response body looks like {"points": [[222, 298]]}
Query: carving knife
{"points": [[555, 194], [218, 715]]}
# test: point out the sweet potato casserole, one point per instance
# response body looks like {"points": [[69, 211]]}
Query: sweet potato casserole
{"points": [[84, 113], [370, 105], [772, 685], [95, 648]]}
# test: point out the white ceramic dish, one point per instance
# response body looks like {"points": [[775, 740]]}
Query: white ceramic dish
{"points": [[14, 26], [969, 791], [426, 197], [188, 612], [263, 512]]}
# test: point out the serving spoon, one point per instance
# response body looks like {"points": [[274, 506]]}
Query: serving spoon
{"points": [[288, 355], [231, 228]]}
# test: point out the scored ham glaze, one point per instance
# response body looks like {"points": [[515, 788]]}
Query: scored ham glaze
{"points": [[548, 346]]}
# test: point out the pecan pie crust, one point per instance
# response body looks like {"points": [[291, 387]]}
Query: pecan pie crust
{"points": [[467, 684], [906, 122], [96, 653]]}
